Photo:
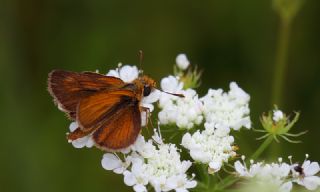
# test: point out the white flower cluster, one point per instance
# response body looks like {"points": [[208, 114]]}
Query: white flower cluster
{"points": [[221, 111], [213, 147], [281, 174], [184, 112], [156, 164], [227, 109]]}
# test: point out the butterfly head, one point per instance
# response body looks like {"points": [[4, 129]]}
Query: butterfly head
{"points": [[148, 84]]}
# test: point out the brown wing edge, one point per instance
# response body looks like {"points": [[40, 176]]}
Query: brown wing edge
{"points": [[55, 99], [103, 82], [135, 120]]}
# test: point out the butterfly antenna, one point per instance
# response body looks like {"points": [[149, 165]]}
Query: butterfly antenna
{"points": [[174, 94], [140, 59]]}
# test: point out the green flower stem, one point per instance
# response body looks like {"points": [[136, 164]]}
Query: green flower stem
{"points": [[203, 174], [230, 180], [281, 61], [262, 147]]}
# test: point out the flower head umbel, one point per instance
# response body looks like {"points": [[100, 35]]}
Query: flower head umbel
{"points": [[152, 163], [185, 112], [229, 109], [281, 174], [274, 173], [213, 146], [278, 124]]}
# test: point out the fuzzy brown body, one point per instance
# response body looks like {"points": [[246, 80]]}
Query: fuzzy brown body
{"points": [[103, 106]]}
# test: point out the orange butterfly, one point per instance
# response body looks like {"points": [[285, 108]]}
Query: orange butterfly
{"points": [[103, 106]]}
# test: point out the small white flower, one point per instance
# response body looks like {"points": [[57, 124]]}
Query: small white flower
{"points": [[185, 112], [158, 165], [277, 115], [126, 73], [305, 175], [182, 61], [227, 109], [171, 84], [85, 141], [209, 148], [241, 169], [112, 162], [274, 173]]}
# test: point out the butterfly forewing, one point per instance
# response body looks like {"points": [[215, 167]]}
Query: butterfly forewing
{"points": [[68, 88], [94, 110]]}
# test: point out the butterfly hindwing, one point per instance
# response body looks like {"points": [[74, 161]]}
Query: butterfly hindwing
{"points": [[121, 130]]}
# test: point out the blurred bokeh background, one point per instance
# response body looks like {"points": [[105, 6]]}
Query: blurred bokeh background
{"points": [[229, 40]]}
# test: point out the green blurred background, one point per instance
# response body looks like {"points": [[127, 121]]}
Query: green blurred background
{"points": [[231, 40]]}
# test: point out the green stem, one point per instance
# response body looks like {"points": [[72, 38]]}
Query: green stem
{"points": [[262, 147], [281, 61], [203, 173]]}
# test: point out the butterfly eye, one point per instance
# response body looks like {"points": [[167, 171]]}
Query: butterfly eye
{"points": [[146, 90]]}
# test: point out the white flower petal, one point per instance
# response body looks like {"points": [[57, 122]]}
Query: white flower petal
{"points": [[153, 97], [110, 161], [129, 178], [311, 182], [242, 171], [128, 73], [113, 73], [73, 126], [140, 188], [312, 169]]}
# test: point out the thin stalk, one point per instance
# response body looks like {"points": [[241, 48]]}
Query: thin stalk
{"points": [[203, 173], [262, 147], [280, 68], [281, 61]]}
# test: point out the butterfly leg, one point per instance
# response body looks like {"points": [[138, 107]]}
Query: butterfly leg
{"points": [[148, 112]]}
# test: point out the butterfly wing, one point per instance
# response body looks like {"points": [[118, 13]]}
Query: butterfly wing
{"points": [[94, 110], [121, 130], [113, 117], [68, 88]]}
